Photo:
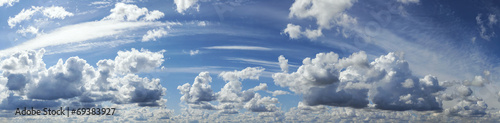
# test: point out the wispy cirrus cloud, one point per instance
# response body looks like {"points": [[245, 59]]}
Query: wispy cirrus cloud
{"points": [[78, 33], [238, 48]]}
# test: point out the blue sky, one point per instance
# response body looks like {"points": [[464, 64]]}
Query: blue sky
{"points": [[251, 61]]}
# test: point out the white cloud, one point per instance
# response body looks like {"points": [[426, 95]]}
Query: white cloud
{"points": [[25, 14], [283, 62], [328, 80], [77, 33], [262, 104], [183, 5], [237, 48], [76, 81], [202, 23], [130, 12], [135, 61], [153, 34], [194, 52], [8, 2], [56, 12], [30, 29], [408, 1], [486, 29], [200, 93], [293, 31], [279, 92], [326, 13], [153, 15], [231, 98]]}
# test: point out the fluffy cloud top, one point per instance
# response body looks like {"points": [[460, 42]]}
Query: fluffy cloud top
{"points": [[183, 5], [130, 12], [74, 80], [326, 13], [135, 61], [328, 80], [231, 98], [153, 34]]}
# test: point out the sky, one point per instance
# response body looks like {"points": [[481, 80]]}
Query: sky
{"points": [[252, 61]]}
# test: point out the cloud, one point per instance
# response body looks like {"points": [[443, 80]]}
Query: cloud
{"points": [[326, 13], [153, 34], [8, 2], [183, 5], [293, 31], [279, 92], [135, 61], [77, 33], [153, 15], [113, 24], [25, 14], [237, 48], [74, 80], [262, 104], [283, 62], [56, 12], [30, 29], [328, 80], [231, 98], [408, 1], [486, 28], [194, 52], [126, 12], [200, 93]]}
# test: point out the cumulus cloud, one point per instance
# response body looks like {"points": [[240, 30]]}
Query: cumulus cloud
{"points": [[328, 80], [262, 104], [293, 31], [130, 12], [135, 61], [8, 2], [153, 34], [56, 12], [200, 93], [25, 80], [326, 13], [231, 98], [183, 5]]}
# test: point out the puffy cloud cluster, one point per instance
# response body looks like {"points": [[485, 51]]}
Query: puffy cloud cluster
{"points": [[183, 5], [231, 98], [130, 12], [26, 82], [326, 13], [153, 34], [54, 12], [354, 82]]}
